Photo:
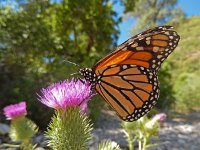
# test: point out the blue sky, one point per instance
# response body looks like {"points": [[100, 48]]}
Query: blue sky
{"points": [[190, 7]]}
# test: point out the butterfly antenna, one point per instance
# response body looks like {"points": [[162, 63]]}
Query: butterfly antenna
{"points": [[72, 74], [72, 63]]}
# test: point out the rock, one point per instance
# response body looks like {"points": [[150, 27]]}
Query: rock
{"points": [[39, 138], [4, 129]]}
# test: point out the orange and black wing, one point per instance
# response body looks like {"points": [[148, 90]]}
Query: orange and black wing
{"points": [[147, 49], [130, 90], [127, 79]]}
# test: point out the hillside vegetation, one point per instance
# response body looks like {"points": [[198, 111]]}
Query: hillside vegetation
{"points": [[186, 65]]}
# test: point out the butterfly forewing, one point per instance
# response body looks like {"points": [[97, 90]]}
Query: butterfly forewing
{"points": [[148, 49]]}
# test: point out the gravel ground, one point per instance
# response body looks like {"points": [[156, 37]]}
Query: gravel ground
{"points": [[180, 133]]}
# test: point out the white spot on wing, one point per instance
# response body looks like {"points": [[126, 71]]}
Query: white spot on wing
{"points": [[148, 42], [134, 45], [148, 38], [155, 49], [142, 68], [124, 66], [167, 33], [139, 48]]}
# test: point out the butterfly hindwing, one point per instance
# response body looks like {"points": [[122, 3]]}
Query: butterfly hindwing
{"points": [[129, 89]]}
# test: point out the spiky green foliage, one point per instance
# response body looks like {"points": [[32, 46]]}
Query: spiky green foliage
{"points": [[22, 129], [69, 130], [108, 145]]}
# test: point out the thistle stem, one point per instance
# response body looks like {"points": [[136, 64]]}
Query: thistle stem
{"points": [[140, 141], [130, 141], [27, 145], [68, 130], [144, 143]]}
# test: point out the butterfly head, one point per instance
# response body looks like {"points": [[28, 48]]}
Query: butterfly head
{"points": [[89, 75]]}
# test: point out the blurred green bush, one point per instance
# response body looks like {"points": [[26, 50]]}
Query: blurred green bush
{"points": [[36, 39], [187, 92], [185, 68]]}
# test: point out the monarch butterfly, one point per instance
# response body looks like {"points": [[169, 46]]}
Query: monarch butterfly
{"points": [[127, 77]]}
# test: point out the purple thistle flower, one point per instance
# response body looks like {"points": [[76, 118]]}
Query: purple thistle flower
{"points": [[66, 93], [15, 110], [160, 117], [84, 108]]}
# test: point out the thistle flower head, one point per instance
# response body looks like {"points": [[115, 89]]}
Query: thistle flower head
{"points": [[66, 93], [15, 110], [160, 117]]}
